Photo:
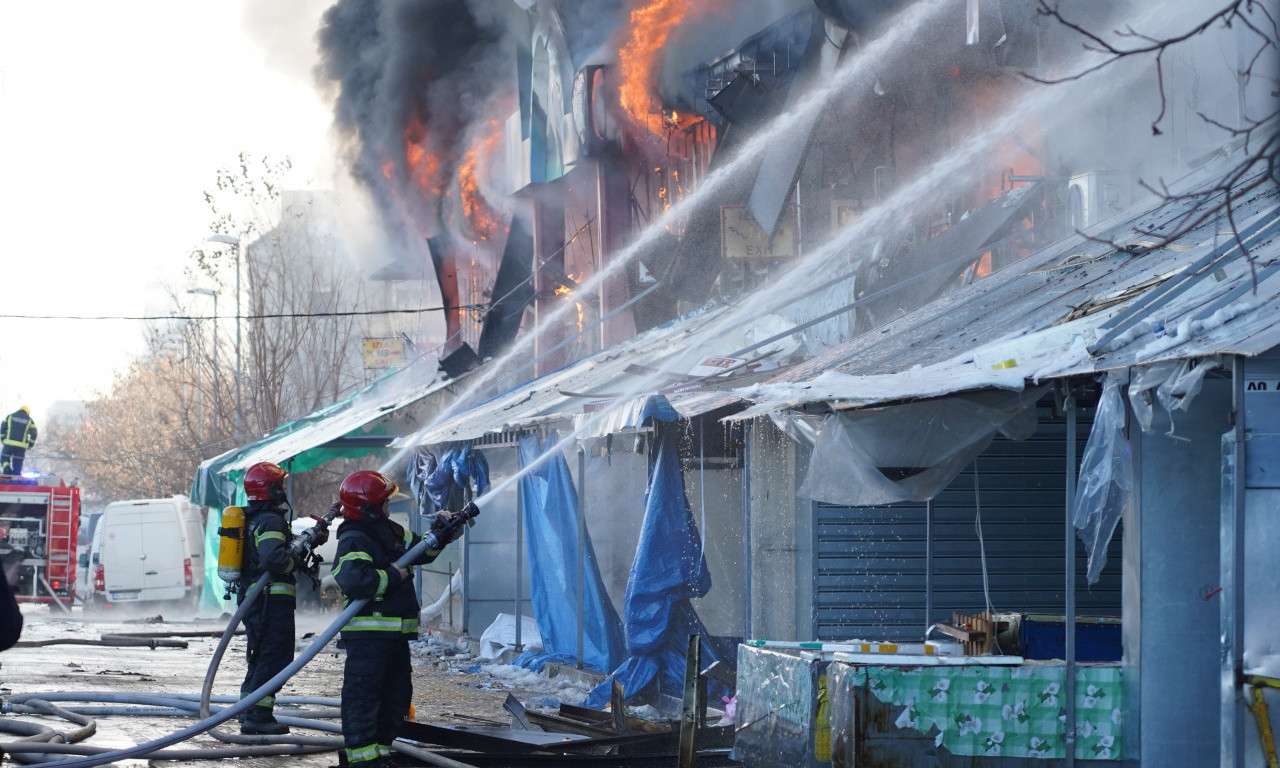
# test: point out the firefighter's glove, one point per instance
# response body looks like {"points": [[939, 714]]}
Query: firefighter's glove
{"points": [[441, 521], [447, 527], [321, 535]]}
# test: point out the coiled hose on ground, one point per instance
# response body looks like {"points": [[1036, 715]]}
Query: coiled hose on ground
{"points": [[212, 720]]}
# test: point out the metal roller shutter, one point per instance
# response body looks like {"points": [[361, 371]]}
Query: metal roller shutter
{"points": [[870, 577]]}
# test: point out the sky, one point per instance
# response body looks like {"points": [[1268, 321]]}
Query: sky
{"points": [[114, 119]]}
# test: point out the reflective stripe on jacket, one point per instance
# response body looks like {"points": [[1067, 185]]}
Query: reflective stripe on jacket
{"points": [[362, 568], [268, 549], [19, 432]]}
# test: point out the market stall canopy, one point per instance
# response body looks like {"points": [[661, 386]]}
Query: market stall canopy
{"points": [[605, 392], [350, 428], [1122, 296]]}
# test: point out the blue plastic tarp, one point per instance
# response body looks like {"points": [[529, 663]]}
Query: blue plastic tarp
{"points": [[551, 512], [461, 473], [668, 571]]}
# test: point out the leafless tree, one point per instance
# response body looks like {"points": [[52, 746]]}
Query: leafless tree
{"points": [[300, 347], [140, 439], [303, 339], [1251, 137], [175, 405]]}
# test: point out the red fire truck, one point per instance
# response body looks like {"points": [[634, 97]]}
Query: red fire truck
{"points": [[39, 521]]}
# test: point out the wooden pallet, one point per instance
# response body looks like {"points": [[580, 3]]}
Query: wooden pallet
{"points": [[974, 631]]}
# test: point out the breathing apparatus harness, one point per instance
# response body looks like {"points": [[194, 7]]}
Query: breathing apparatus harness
{"points": [[234, 532]]}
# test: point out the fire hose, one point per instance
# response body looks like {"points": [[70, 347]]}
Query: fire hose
{"points": [[432, 540]]}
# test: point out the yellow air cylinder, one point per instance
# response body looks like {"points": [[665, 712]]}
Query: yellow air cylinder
{"points": [[231, 544]]}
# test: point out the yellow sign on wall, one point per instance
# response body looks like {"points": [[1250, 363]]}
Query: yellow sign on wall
{"points": [[383, 353]]}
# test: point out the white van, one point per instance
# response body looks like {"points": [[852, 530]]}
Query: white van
{"points": [[84, 552], [148, 551]]}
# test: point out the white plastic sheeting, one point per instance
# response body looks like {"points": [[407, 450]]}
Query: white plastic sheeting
{"points": [[1172, 384], [907, 452], [1105, 487], [501, 635]]}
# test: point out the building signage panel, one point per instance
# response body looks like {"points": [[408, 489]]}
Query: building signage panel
{"points": [[383, 353]]}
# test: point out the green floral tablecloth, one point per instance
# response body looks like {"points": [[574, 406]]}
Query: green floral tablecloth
{"points": [[1010, 711]]}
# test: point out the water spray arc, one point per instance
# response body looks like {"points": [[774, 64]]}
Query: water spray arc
{"points": [[859, 69], [782, 293], [796, 280]]}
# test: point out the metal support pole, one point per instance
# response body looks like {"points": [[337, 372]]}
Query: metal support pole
{"points": [[1231, 567], [519, 560], [1069, 624], [48, 588], [217, 409], [688, 757], [746, 530], [928, 566], [466, 582], [582, 554], [239, 402]]}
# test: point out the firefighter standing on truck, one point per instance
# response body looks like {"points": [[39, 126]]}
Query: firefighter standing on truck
{"points": [[377, 682], [269, 625], [18, 434]]}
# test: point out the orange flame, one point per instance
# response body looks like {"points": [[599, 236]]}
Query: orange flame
{"points": [[483, 219], [567, 293], [641, 54], [424, 167]]}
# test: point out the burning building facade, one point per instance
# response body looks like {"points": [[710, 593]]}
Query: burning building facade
{"points": [[786, 178], [517, 152]]}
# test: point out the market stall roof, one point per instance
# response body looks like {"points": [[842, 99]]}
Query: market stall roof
{"points": [[349, 428], [605, 393], [1119, 297]]}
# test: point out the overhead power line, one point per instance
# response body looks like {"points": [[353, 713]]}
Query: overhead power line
{"points": [[269, 316]]}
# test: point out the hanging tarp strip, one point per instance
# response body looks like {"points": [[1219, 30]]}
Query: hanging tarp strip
{"points": [[668, 571], [550, 504]]}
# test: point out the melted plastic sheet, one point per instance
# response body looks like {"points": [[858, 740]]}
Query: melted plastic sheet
{"points": [[1105, 488], [781, 718], [1171, 383], [906, 452]]}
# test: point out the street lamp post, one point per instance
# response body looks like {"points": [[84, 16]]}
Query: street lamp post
{"points": [[210, 292], [234, 241]]}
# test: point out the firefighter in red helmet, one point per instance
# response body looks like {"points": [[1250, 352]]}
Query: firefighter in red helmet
{"points": [[377, 683], [269, 624]]}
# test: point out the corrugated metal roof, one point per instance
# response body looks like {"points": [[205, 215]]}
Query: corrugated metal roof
{"points": [[1032, 321], [605, 393], [1044, 317]]}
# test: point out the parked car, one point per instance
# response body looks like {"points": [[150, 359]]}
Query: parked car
{"points": [[147, 551]]}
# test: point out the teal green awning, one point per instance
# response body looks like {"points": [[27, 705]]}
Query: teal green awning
{"points": [[350, 428]]}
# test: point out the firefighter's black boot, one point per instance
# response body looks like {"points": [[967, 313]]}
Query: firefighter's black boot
{"points": [[269, 728]]}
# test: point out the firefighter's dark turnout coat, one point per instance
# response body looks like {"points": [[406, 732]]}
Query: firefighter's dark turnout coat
{"points": [[269, 624], [377, 683], [17, 434]]}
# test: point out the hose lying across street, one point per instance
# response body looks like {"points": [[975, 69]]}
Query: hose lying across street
{"points": [[260, 746]]}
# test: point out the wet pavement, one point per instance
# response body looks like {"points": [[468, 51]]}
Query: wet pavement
{"points": [[450, 687]]}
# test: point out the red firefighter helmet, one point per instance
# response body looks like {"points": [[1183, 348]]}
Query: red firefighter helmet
{"points": [[264, 481], [364, 492]]}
